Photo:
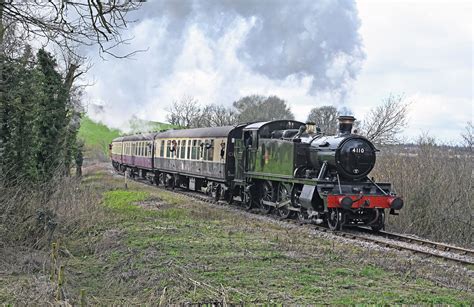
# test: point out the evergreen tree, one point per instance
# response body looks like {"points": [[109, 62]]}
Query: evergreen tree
{"points": [[51, 117], [17, 108], [38, 124]]}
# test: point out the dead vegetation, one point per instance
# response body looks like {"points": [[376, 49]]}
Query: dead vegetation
{"points": [[35, 216], [436, 183]]}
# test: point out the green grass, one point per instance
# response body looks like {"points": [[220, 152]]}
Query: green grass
{"points": [[96, 136], [182, 251], [123, 199]]}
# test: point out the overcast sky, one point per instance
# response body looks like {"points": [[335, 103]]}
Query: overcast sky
{"points": [[310, 53]]}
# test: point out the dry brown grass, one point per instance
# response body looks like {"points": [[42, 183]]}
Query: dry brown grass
{"points": [[36, 215]]}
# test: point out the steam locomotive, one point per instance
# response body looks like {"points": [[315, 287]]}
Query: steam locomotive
{"points": [[283, 166]]}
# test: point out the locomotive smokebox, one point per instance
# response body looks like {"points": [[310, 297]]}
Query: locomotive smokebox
{"points": [[345, 124]]}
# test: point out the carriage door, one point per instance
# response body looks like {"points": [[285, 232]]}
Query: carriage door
{"points": [[251, 145], [134, 152]]}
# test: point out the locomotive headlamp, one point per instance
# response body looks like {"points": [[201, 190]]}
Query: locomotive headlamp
{"points": [[346, 202], [396, 203]]}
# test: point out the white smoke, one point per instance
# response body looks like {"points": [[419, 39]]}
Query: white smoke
{"points": [[219, 50]]}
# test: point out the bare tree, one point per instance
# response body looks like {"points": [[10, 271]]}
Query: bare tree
{"points": [[468, 135], [185, 112], [67, 23], [325, 117], [217, 115], [385, 122]]}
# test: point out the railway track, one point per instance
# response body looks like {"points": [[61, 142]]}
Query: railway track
{"points": [[382, 238]]}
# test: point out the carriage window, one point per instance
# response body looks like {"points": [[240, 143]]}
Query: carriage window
{"points": [[189, 150], [173, 148], [222, 153], [199, 150], [183, 149], [209, 150], [162, 149], [178, 149], [194, 150], [168, 148]]}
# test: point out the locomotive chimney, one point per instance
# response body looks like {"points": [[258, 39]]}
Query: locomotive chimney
{"points": [[345, 124]]}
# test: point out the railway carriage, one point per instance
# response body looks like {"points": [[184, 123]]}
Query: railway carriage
{"points": [[283, 166], [196, 158]]}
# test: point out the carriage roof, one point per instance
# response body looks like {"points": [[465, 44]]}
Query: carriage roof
{"points": [[197, 132]]}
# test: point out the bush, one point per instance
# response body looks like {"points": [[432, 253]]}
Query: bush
{"points": [[436, 183]]}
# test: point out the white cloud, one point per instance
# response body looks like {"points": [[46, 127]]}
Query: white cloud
{"points": [[424, 50], [420, 48]]}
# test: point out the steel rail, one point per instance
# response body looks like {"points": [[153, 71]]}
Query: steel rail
{"points": [[419, 241]]}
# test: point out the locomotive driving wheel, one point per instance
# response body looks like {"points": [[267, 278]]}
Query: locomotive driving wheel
{"points": [[267, 195], [283, 196], [302, 214], [334, 218], [246, 197]]}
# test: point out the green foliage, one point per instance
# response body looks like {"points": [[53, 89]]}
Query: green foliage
{"points": [[96, 136], [37, 139]]}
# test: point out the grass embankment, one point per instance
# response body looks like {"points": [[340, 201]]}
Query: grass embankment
{"points": [[96, 136], [153, 246]]}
